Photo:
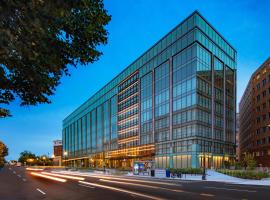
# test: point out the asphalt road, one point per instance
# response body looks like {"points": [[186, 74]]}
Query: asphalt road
{"points": [[18, 184]]}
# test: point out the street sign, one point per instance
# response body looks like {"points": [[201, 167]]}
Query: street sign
{"points": [[160, 173]]}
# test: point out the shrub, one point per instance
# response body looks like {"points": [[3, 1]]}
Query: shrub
{"points": [[251, 164], [245, 174], [238, 165], [227, 164], [124, 168]]}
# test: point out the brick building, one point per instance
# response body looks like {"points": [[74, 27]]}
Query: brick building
{"points": [[57, 152], [254, 118]]}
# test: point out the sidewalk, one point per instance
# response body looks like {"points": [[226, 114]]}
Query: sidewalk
{"points": [[212, 175], [219, 177]]}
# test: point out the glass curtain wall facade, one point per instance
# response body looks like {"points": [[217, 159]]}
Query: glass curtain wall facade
{"points": [[174, 105]]}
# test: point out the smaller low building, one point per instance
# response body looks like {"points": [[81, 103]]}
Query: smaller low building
{"points": [[57, 152]]}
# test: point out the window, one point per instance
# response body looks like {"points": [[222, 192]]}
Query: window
{"points": [[264, 93], [258, 131], [264, 105], [264, 82], [146, 105], [259, 109], [258, 119], [258, 98], [264, 129], [258, 86], [162, 82], [264, 117]]}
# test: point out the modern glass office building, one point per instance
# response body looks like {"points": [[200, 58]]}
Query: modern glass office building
{"points": [[175, 106]]}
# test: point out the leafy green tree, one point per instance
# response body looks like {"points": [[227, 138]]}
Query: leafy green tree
{"points": [[3, 153], [251, 164], [227, 164], [27, 157], [44, 160], [238, 165], [40, 40], [248, 162]]}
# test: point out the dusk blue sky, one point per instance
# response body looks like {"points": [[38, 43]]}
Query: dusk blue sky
{"points": [[135, 26]]}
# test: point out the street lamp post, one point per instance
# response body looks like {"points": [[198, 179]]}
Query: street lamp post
{"points": [[53, 156], [65, 156], [204, 174], [104, 167], [44, 158]]}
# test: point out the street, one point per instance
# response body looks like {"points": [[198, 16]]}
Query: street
{"points": [[17, 183]]}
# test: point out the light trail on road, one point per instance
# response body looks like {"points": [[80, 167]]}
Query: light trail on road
{"points": [[49, 177], [136, 180], [122, 190], [33, 169], [64, 176], [120, 179], [140, 185]]}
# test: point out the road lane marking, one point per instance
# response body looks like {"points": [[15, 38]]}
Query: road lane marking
{"points": [[14, 172], [64, 176], [41, 191], [230, 189], [140, 185], [19, 175], [9, 168], [122, 190], [88, 186], [207, 195], [24, 179], [246, 185]]}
